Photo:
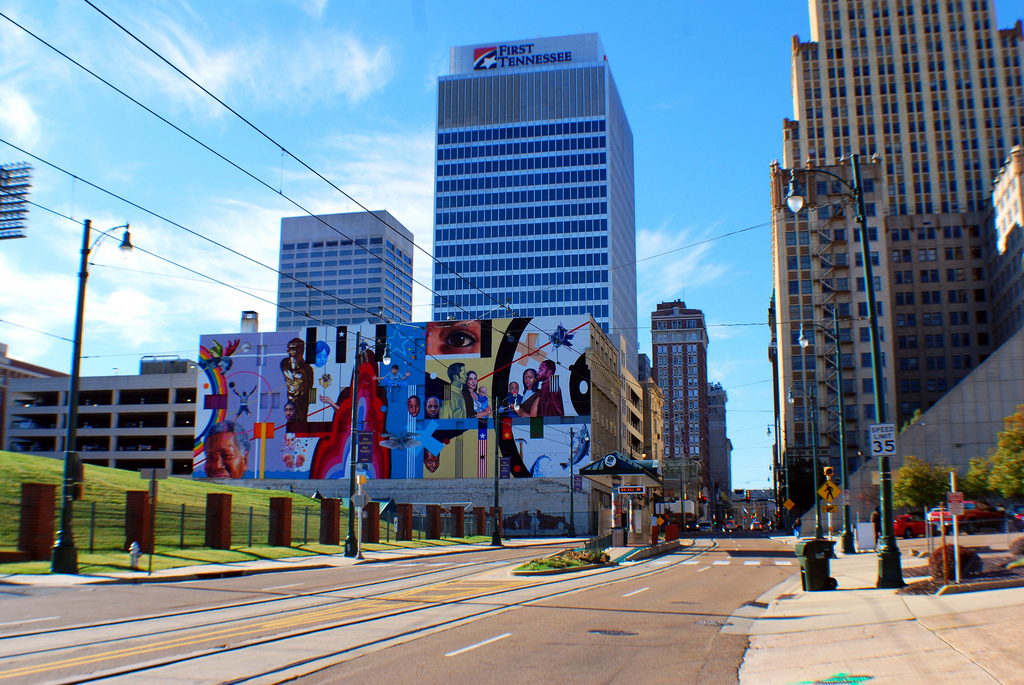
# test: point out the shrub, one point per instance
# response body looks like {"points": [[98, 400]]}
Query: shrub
{"points": [[942, 562], [1017, 547]]}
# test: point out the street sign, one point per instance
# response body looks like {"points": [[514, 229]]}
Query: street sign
{"points": [[505, 468], [789, 504], [577, 483], [364, 447], [883, 439], [828, 492], [956, 503], [360, 499], [830, 508]]}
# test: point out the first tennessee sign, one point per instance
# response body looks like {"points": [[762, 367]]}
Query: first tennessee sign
{"points": [[503, 56]]}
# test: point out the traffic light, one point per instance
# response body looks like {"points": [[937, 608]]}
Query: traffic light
{"points": [[828, 473], [746, 495]]}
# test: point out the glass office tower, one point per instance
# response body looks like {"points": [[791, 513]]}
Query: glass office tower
{"points": [[534, 202]]}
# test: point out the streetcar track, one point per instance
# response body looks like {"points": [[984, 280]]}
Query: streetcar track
{"points": [[429, 629], [277, 597], [327, 622]]}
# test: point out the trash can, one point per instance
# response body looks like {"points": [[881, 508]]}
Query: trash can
{"points": [[814, 555]]}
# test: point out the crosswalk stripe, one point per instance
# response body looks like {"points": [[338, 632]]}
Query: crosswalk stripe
{"points": [[691, 562], [783, 563], [752, 563], [720, 563]]}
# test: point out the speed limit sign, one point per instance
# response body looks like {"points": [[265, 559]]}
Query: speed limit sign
{"points": [[883, 439]]}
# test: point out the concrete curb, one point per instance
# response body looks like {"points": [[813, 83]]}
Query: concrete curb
{"points": [[648, 552], [979, 587]]}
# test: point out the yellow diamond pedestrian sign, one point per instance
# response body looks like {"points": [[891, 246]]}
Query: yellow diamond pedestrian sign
{"points": [[789, 504], [828, 492]]}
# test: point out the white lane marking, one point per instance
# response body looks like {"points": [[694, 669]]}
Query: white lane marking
{"points": [[30, 620], [721, 563], [660, 561], [703, 569], [636, 592], [438, 563], [783, 563], [413, 563], [279, 587], [691, 562], [752, 563], [478, 644]]}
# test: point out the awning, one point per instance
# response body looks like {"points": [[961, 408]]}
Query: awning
{"points": [[618, 466]]}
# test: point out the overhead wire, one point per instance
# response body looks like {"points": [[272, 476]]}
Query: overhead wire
{"points": [[285, 151], [308, 167], [219, 156]]}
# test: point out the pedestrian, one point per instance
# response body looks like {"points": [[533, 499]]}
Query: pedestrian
{"points": [[876, 520]]}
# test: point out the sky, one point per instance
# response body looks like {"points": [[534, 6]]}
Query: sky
{"points": [[350, 89]]}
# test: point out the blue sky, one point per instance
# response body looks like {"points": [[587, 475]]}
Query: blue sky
{"points": [[350, 89]]}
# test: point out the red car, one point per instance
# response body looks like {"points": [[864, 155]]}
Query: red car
{"points": [[909, 525], [976, 515]]}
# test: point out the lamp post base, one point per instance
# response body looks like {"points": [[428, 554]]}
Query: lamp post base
{"points": [[496, 539], [848, 546], [65, 558], [890, 574], [350, 547]]}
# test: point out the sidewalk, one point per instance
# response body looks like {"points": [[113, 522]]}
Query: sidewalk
{"points": [[247, 568], [859, 634]]}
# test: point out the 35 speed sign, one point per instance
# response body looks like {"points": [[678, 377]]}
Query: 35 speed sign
{"points": [[883, 439]]}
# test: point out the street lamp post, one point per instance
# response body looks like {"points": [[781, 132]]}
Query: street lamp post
{"points": [[847, 535], [65, 555], [498, 408], [812, 399], [350, 540], [890, 574]]}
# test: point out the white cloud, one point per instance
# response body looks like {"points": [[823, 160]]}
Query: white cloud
{"points": [[278, 70], [18, 120], [314, 8]]}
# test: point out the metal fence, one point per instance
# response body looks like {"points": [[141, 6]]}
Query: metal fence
{"points": [[101, 525]]}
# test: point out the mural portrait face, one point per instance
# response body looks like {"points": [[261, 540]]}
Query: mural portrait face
{"points": [[433, 407], [413, 404], [529, 380], [227, 451], [471, 381], [431, 461], [513, 388], [453, 337]]}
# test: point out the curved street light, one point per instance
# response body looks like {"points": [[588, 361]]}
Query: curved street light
{"points": [[890, 574], [65, 555], [847, 535], [812, 400]]}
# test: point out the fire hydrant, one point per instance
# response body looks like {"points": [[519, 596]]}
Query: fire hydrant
{"points": [[135, 552]]}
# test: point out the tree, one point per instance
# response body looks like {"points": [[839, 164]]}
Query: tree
{"points": [[975, 483], [919, 484], [1007, 475]]}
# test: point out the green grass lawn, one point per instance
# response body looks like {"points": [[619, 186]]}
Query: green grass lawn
{"points": [[99, 520]]}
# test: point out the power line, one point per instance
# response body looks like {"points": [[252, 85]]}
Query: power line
{"points": [[284, 151], [35, 330], [223, 158]]}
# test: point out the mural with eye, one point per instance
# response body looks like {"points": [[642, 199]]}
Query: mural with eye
{"points": [[454, 338]]}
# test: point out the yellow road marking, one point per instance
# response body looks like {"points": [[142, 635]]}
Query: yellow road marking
{"points": [[457, 590]]}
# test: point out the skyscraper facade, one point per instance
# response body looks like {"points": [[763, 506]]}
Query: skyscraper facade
{"points": [[929, 94], [534, 202], [680, 340], [342, 269]]}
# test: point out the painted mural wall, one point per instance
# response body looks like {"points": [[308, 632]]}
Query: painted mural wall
{"points": [[279, 404]]}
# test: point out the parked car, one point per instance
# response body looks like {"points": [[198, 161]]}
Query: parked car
{"points": [[976, 515], [909, 525], [731, 526], [756, 525]]}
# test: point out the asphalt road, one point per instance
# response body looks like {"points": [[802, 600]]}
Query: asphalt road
{"points": [[458, 618]]}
